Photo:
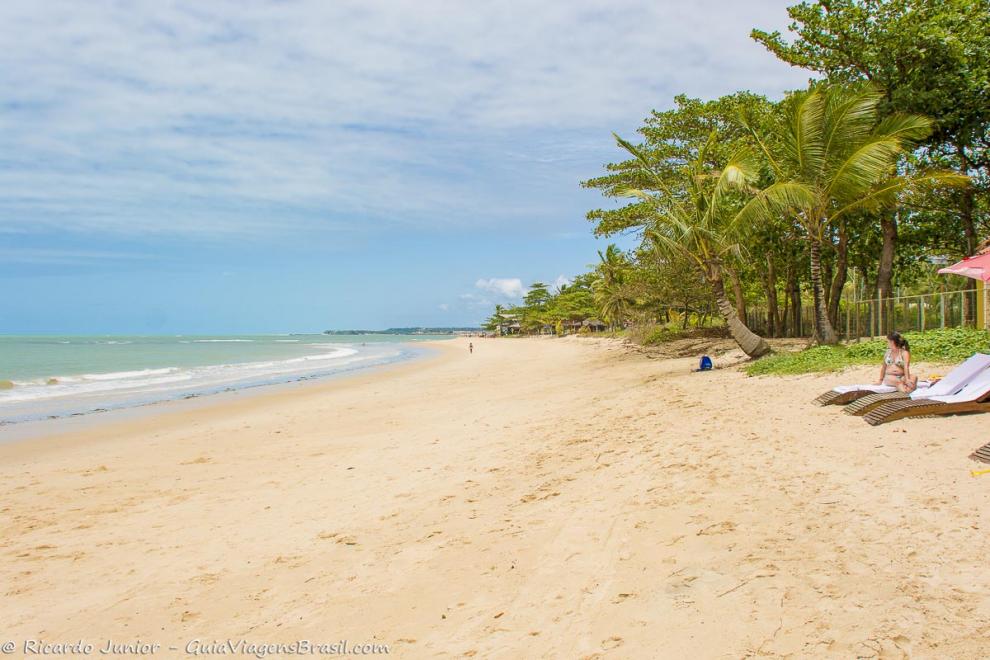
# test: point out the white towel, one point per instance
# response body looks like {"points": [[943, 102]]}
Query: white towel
{"points": [[879, 389]]}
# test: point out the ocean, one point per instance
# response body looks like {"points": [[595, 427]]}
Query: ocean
{"points": [[49, 377]]}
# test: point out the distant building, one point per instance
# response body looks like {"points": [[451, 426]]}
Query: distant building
{"points": [[509, 325], [595, 325]]}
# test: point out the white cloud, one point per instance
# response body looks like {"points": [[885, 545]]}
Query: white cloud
{"points": [[254, 118], [505, 287], [443, 307], [561, 281]]}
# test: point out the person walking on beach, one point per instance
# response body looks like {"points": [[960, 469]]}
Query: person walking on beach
{"points": [[471, 347]]}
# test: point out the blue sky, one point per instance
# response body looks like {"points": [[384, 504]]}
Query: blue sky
{"points": [[284, 166]]}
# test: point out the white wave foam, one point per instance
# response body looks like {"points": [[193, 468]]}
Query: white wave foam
{"points": [[93, 390], [334, 354], [120, 375]]}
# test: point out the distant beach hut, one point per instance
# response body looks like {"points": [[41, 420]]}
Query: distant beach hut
{"points": [[571, 325], [594, 325], [509, 326]]}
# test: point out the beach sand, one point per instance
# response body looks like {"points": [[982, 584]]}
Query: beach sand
{"points": [[539, 498]]}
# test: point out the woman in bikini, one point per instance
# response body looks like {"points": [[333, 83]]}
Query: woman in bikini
{"points": [[896, 368]]}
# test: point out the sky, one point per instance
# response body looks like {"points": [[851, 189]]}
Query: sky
{"points": [[301, 165]]}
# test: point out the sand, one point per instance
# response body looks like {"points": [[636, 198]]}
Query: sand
{"points": [[540, 498]]}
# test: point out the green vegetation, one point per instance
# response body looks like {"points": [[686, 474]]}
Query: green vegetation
{"points": [[696, 219], [949, 346], [751, 211], [402, 331]]}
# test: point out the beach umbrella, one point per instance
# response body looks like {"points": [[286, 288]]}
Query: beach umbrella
{"points": [[976, 267]]}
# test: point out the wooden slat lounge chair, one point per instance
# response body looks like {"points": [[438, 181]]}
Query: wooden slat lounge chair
{"points": [[954, 381], [865, 404], [973, 397], [982, 454], [844, 394]]}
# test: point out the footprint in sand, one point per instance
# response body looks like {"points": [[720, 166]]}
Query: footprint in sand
{"points": [[612, 642], [718, 528], [207, 578]]}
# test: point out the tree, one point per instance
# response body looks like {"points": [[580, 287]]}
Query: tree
{"points": [[611, 294], [535, 304], [695, 218], [832, 158], [930, 58], [672, 140], [575, 301], [496, 319]]}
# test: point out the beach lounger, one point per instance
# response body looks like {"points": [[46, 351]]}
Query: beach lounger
{"points": [[951, 384], [982, 454], [973, 397], [843, 394]]}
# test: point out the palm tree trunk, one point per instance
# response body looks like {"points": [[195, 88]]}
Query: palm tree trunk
{"points": [[737, 292], [752, 344], [794, 286], [824, 334], [885, 270], [782, 329], [840, 272], [773, 306]]}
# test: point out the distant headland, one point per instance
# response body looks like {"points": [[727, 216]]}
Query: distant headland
{"points": [[406, 331]]}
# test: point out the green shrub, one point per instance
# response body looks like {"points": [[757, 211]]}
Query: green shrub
{"points": [[661, 335], [949, 345]]}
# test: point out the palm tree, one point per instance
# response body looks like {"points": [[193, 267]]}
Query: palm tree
{"points": [[613, 304], [833, 157], [609, 288], [697, 220], [612, 265]]}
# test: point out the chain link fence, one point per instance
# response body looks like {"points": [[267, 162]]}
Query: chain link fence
{"points": [[871, 318]]}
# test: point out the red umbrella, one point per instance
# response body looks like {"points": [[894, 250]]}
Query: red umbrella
{"points": [[976, 267]]}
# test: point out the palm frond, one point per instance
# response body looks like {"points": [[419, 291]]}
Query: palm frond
{"points": [[866, 166], [804, 139], [668, 244], [645, 166], [850, 116], [888, 194], [737, 175], [775, 201], [910, 129], [775, 165]]}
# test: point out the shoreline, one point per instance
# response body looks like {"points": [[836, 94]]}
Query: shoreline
{"points": [[18, 431], [562, 498]]}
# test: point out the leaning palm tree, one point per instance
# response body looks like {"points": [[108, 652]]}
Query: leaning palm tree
{"points": [[695, 217], [832, 157]]}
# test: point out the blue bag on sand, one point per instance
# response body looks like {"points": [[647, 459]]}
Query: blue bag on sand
{"points": [[706, 363]]}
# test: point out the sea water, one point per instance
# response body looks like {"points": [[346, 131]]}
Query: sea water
{"points": [[48, 376]]}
